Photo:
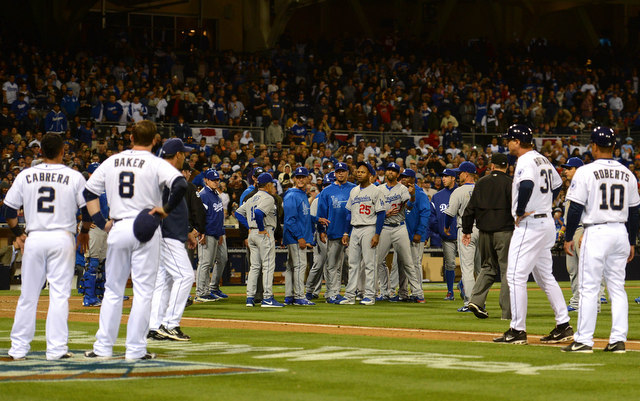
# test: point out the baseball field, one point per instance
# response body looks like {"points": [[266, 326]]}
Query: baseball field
{"points": [[390, 351]]}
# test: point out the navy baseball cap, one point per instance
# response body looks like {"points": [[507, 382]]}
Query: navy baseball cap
{"points": [[92, 167], [257, 171], [603, 136], [573, 162], [301, 172], [145, 225], [408, 173], [341, 166], [393, 166], [369, 167], [466, 167], [173, 146], [332, 176], [252, 161], [449, 172], [211, 174], [520, 132], [264, 178]]}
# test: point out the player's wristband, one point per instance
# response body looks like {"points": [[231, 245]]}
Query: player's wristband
{"points": [[17, 230], [99, 220]]}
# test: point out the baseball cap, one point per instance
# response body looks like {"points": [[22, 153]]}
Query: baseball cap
{"points": [[499, 159], [92, 167], [211, 174], [341, 166], [332, 176], [408, 173], [301, 172], [466, 167], [326, 180], [520, 132], [603, 136], [264, 178], [393, 166], [369, 167], [257, 171], [145, 225], [173, 146], [573, 162], [448, 172], [252, 160]]}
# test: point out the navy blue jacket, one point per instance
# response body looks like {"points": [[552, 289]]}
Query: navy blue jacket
{"points": [[215, 212], [439, 203], [176, 225]]}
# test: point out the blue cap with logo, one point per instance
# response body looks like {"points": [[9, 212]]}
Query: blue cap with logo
{"points": [[264, 178], [466, 167], [332, 176], [326, 180], [341, 166], [393, 166], [408, 173], [573, 162], [173, 146], [92, 167], [369, 167], [301, 172], [211, 174], [449, 172]]}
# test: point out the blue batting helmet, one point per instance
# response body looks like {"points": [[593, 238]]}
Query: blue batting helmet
{"points": [[520, 132], [603, 136]]}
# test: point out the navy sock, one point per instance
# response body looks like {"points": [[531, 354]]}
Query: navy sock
{"points": [[450, 276]]}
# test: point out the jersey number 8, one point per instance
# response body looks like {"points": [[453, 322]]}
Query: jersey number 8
{"points": [[125, 189]]}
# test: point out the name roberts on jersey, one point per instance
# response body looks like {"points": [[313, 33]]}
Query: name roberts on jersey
{"points": [[611, 173]]}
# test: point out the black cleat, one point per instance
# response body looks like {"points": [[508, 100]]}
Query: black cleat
{"points": [[512, 336], [479, 311], [174, 334], [558, 335], [91, 354], [148, 355], [578, 347], [616, 348]]}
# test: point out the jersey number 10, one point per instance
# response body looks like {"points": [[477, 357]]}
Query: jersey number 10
{"points": [[612, 197]]}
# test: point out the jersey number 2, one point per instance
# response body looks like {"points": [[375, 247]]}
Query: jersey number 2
{"points": [[48, 195], [612, 197], [125, 189]]}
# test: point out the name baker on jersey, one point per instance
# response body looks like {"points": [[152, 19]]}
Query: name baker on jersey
{"points": [[128, 162], [611, 173], [47, 177]]}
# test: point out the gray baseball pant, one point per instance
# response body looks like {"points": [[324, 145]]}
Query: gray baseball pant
{"points": [[263, 258], [399, 239], [469, 262], [335, 260], [316, 273], [397, 277], [572, 269], [206, 255], [362, 257], [219, 265], [295, 270]]}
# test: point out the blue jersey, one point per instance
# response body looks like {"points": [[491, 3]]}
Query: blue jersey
{"points": [[215, 212], [245, 193], [417, 219], [298, 222], [299, 130], [440, 203], [332, 203]]}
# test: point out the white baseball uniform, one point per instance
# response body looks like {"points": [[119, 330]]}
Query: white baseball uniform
{"points": [[533, 238], [606, 189], [51, 195], [363, 204], [133, 180]]}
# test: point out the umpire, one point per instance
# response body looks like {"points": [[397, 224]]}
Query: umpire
{"points": [[490, 208]]}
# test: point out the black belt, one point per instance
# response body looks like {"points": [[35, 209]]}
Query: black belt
{"points": [[363, 225], [540, 216], [394, 225]]}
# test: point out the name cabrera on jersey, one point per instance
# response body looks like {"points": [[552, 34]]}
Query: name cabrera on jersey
{"points": [[606, 189], [394, 197], [133, 180], [47, 192], [532, 166], [264, 202], [364, 204]]}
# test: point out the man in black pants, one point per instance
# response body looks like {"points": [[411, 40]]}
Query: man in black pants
{"points": [[490, 208]]}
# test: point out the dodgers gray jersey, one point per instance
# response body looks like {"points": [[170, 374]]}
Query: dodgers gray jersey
{"points": [[458, 202], [532, 166], [133, 180], [47, 192], [364, 204], [263, 201], [607, 189], [394, 197]]}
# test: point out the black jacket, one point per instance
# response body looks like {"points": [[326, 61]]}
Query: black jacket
{"points": [[490, 205]]}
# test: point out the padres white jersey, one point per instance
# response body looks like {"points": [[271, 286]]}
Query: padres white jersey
{"points": [[458, 202], [364, 204], [263, 201], [133, 180], [394, 197], [532, 166], [607, 189], [51, 195]]}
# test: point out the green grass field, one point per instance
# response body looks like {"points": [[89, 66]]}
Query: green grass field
{"points": [[310, 366]]}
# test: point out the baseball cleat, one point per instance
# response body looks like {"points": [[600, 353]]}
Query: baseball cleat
{"points": [[271, 303], [512, 336], [17, 358], [394, 298], [367, 301], [125, 298], [637, 300], [303, 302], [578, 347], [479, 311], [382, 298], [92, 304], [219, 294], [189, 302], [156, 335], [464, 308], [66, 355], [310, 296], [616, 348], [571, 308], [449, 296], [148, 355], [174, 334], [288, 300], [206, 298], [347, 301], [249, 303], [334, 299], [559, 335], [418, 300], [91, 354], [603, 300]]}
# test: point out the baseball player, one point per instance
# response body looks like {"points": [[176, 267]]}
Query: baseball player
{"points": [[175, 274], [298, 236], [570, 169], [535, 183], [259, 215], [331, 206], [134, 181], [469, 255], [394, 233], [50, 194], [314, 279], [365, 218], [440, 203], [93, 277], [605, 195], [214, 239]]}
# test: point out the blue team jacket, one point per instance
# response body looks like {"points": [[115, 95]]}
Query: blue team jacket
{"points": [[215, 212], [417, 219], [440, 203], [332, 203], [245, 193], [298, 222]]}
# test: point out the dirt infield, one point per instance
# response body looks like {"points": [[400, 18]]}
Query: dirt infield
{"points": [[8, 305]]}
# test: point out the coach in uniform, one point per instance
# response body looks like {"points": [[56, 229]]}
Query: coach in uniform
{"points": [[317, 271], [440, 203], [490, 208], [605, 194]]}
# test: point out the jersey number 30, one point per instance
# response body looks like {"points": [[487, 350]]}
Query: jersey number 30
{"points": [[613, 205], [125, 189], [548, 178]]}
